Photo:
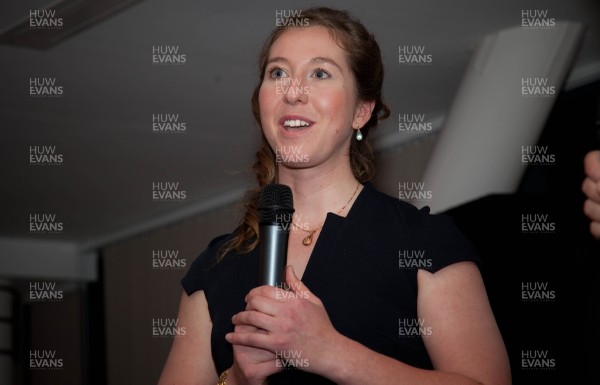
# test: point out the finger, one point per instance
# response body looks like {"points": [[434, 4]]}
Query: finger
{"points": [[254, 318], [591, 164], [255, 340], [249, 329], [266, 305], [595, 229], [293, 282], [591, 189], [592, 210], [261, 291], [298, 288]]}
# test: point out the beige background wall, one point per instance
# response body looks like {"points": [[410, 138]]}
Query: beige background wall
{"points": [[136, 293]]}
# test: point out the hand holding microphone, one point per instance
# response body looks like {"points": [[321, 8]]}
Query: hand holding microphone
{"points": [[280, 321]]}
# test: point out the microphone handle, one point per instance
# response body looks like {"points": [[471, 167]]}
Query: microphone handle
{"points": [[273, 251]]}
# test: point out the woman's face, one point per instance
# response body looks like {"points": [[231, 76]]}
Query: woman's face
{"points": [[308, 103]]}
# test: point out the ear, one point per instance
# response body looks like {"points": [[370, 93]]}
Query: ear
{"points": [[363, 111]]}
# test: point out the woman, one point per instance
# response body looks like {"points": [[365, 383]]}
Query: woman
{"points": [[379, 292]]}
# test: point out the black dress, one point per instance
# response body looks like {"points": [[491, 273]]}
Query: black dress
{"points": [[364, 270]]}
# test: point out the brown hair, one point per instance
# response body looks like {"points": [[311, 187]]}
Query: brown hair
{"points": [[364, 58]]}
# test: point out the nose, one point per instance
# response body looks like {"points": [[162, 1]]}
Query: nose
{"points": [[295, 92]]}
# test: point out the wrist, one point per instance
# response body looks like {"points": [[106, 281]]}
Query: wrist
{"points": [[235, 376], [332, 359]]}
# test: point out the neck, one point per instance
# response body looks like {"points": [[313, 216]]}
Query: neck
{"points": [[317, 192]]}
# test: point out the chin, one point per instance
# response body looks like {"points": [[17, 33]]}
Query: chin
{"points": [[291, 156], [294, 165]]}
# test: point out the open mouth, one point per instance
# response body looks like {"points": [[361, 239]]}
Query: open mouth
{"points": [[295, 123]]}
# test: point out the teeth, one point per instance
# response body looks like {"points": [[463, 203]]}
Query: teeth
{"points": [[296, 123]]}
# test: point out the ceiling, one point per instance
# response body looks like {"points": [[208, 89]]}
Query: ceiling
{"points": [[102, 125]]}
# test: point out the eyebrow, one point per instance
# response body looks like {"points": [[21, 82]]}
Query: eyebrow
{"points": [[317, 60]]}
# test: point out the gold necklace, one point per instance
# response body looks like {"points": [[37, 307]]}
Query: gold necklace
{"points": [[309, 238]]}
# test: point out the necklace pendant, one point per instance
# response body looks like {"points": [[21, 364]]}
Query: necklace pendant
{"points": [[308, 240]]}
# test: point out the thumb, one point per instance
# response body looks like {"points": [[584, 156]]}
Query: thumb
{"points": [[293, 282], [297, 286]]}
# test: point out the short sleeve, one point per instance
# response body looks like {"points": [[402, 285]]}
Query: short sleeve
{"points": [[441, 240], [197, 275]]}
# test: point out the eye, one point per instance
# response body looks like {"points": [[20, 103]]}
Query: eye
{"points": [[321, 74], [277, 73]]}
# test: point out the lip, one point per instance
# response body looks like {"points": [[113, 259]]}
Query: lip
{"points": [[295, 117]]}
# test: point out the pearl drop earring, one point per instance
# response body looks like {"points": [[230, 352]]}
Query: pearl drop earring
{"points": [[359, 134]]}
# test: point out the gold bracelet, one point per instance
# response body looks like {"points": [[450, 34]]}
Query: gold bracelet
{"points": [[223, 377]]}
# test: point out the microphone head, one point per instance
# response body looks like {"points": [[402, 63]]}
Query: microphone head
{"points": [[276, 204]]}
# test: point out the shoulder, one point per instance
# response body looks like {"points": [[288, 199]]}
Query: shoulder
{"points": [[196, 278], [391, 208], [416, 229], [210, 254]]}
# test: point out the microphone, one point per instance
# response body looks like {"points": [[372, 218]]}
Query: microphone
{"points": [[275, 209]]}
